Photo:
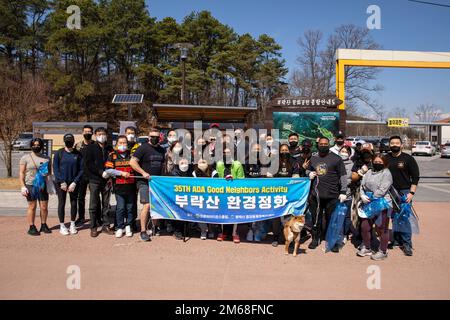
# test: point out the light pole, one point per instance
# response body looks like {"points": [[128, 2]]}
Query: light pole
{"points": [[184, 49]]}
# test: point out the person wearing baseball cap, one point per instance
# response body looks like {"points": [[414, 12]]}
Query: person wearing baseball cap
{"points": [[339, 140]]}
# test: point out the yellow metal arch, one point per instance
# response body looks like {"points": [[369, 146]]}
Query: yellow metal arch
{"points": [[385, 58]]}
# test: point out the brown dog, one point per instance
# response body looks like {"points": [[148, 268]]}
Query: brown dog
{"points": [[292, 229]]}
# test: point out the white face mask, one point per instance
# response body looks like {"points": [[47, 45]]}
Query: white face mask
{"points": [[101, 138], [269, 143], [122, 148], [131, 137], [172, 139], [344, 156], [184, 167]]}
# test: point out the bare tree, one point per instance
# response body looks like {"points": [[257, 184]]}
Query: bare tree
{"points": [[427, 113], [316, 75], [18, 99]]}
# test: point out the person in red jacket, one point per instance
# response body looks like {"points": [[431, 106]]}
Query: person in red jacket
{"points": [[118, 167]]}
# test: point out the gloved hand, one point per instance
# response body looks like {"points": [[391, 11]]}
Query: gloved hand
{"points": [[365, 198], [364, 168], [312, 175], [342, 197], [269, 175], [24, 191], [229, 177], [72, 187], [64, 186], [105, 175]]}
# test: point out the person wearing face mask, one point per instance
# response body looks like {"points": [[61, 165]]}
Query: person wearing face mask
{"points": [[68, 171], [84, 182], [180, 169], [345, 154], [294, 148], [339, 140], [305, 157], [203, 170], [287, 167], [229, 169], [363, 164], [131, 134], [172, 153], [29, 166], [329, 186], [118, 166], [148, 160], [100, 190], [171, 138], [241, 147], [406, 174], [378, 181]]}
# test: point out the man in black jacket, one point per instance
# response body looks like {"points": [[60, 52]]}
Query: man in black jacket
{"points": [[94, 164], [405, 174]]}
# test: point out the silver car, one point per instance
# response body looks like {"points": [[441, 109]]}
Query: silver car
{"points": [[23, 142], [445, 150]]}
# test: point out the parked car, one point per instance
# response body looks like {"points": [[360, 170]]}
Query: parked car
{"points": [[352, 141], [423, 147], [23, 142], [384, 145], [445, 150]]}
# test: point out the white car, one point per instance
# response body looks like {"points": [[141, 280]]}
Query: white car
{"points": [[353, 141], [423, 147]]}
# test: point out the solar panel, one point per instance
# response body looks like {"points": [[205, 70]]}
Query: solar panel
{"points": [[128, 98]]}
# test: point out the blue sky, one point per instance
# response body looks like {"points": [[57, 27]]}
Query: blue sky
{"points": [[405, 25]]}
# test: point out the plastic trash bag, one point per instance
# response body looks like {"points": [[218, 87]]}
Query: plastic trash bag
{"points": [[39, 180], [374, 207], [405, 220], [335, 232]]}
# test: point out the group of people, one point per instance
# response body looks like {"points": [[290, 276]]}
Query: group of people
{"points": [[338, 174]]}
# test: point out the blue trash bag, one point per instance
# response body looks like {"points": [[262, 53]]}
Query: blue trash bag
{"points": [[375, 206], [335, 232], [405, 220], [39, 180]]}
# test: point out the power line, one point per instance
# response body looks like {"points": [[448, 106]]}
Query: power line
{"points": [[431, 3]]}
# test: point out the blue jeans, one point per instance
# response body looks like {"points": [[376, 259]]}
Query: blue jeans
{"points": [[403, 237], [124, 209]]}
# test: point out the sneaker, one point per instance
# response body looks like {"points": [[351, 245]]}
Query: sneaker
{"points": [[73, 230], [236, 239], [210, 235], [363, 251], [119, 233], [33, 231], [169, 228], [145, 236], [128, 231], [407, 250], [335, 249], [314, 244], [379, 256], [250, 235], [203, 235], [221, 237], [45, 228], [63, 230]]}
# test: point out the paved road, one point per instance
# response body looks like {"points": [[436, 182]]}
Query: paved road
{"points": [[165, 268]]}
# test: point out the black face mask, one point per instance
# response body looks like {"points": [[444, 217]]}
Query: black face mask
{"points": [[36, 149], [378, 166], [285, 155], [87, 136], [154, 140], [339, 142], [69, 143], [366, 156], [323, 149], [306, 150], [293, 144], [395, 149]]}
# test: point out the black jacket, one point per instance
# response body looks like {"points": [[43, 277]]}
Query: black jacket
{"points": [[94, 162]]}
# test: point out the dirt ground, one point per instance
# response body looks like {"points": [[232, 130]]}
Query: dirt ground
{"points": [[36, 267]]}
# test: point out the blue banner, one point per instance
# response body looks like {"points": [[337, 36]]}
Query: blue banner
{"points": [[215, 200]]}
